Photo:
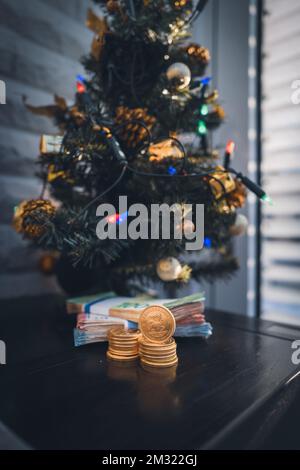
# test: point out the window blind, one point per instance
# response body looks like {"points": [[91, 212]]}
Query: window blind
{"points": [[280, 225]]}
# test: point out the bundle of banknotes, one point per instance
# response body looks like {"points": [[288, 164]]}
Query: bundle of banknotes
{"points": [[97, 314]]}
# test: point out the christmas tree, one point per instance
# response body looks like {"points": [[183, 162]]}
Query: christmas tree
{"points": [[141, 127]]}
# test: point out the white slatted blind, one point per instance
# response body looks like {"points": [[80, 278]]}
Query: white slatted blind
{"points": [[281, 162]]}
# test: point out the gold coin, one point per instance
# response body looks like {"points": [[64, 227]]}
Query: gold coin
{"points": [[121, 353], [123, 348], [158, 356], [125, 351], [159, 359], [165, 344], [123, 341], [158, 347], [120, 358], [157, 323], [124, 344], [157, 353], [154, 364], [123, 334]]}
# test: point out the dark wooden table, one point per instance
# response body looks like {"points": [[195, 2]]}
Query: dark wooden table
{"points": [[227, 392]]}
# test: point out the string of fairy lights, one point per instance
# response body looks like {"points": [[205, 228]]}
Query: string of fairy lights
{"points": [[108, 133]]}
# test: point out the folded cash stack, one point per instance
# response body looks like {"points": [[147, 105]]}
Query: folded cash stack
{"points": [[97, 314]]}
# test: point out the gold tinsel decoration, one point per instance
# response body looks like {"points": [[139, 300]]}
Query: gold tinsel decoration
{"points": [[133, 133], [96, 23], [221, 182], [97, 46], [219, 111], [60, 105], [27, 211], [78, 116], [166, 149], [224, 208], [237, 198], [212, 97], [54, 174], [233, 199], [99, 26], [199, 53], [185, 274]]}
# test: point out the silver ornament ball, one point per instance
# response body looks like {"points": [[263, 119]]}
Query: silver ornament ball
{"points": [[179, 75], [168, 269], [240, 226]]}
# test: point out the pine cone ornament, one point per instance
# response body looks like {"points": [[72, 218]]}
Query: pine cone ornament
{"points": [[133, 133], [198, 53], [30, 217]]}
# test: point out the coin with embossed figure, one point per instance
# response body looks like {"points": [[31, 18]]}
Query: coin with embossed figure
{"points": [[157, 323]]}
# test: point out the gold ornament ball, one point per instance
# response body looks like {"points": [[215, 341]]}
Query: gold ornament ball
{"points": [[179, 75], [240, 226], [168, 269]]}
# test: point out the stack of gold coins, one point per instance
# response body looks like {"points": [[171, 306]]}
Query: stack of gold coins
{"points": [[123, 344], [158, 354], [157, 347]]}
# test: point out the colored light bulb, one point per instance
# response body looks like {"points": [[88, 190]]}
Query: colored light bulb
{"points": [[204, 110], [117, 218], [172, 170], [207, 242], [122, 217], [80, 87], [206, 80], [112, 219], [202, 129], [80, 78], [230, 147], [266, 198]]}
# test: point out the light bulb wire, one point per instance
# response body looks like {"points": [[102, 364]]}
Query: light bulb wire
{"points": [[100, 196]]}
